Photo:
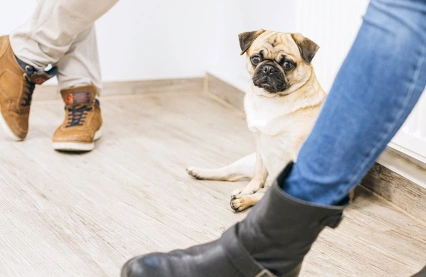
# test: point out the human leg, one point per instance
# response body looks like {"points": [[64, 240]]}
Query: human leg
{"points": [[279, 243], [41, 41], [53, 27], [79, 77], [376, 88]]}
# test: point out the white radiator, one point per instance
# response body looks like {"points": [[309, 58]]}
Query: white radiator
{"points": [[411, 138]]}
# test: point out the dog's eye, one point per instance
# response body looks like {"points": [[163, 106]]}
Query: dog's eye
{"points": [[287, 65], [256, 59]]}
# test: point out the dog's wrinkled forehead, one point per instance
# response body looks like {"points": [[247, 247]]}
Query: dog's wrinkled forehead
{"points": [[273, 45]]}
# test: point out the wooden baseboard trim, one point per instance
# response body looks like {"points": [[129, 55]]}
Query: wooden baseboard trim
{"points": [[401, 191], [196, 85], [225, 91], [396, 189]]}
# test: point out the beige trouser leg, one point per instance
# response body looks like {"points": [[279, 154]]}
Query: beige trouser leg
{"points": [[80, 65], [61, 33]]}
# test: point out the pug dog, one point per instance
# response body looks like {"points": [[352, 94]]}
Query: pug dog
{"points": [[281, 107]]}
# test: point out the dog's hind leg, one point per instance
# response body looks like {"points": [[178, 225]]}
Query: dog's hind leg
{"points": [[241, 168]]}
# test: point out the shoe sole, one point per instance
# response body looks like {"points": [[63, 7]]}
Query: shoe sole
{"points": [[7, 129], [77, 146]]}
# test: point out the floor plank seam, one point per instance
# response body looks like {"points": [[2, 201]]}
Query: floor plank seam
{"points": [[396, 206]]}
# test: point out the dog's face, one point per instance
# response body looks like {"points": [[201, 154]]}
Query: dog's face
{"points": [[279, 63]]}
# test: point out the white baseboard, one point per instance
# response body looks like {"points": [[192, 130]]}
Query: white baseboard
{"points": [[196, 84]]}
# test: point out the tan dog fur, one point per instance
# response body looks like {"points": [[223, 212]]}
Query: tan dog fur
{"points": [[280, 121]]}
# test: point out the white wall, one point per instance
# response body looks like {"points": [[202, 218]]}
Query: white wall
{"points": [[156, 39], [15, 13], [177, 39], [144, 39], [332, 24]]}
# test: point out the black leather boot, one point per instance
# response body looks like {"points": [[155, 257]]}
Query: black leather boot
{"points": [[271, 241]]}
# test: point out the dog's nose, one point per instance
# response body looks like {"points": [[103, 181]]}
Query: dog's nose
{"points": [[268, 69]]}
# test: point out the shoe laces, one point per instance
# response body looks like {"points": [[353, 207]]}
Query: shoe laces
{"points": [[33, 77], [28, 91], [77, 116]]}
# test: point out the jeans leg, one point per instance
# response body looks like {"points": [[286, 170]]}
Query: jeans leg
{"points": [[376, 88]]}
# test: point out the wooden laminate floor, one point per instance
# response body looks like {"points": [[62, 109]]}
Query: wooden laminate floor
{"points": [[86, 214]]}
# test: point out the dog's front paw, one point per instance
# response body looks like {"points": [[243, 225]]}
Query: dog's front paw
{"points": [[240, 202]]}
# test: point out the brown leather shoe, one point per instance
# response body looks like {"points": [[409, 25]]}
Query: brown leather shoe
{"points": [[83, 120], [17, 83]]}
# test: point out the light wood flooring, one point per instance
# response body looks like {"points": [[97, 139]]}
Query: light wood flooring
{"points": [[86, 214]]}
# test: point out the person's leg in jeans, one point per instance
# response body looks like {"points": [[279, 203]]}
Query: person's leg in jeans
{"points": [[43, 40], [375, 90], [79, 77]]}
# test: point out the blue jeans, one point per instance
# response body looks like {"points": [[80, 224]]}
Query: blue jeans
{"points": [[376, 88]]}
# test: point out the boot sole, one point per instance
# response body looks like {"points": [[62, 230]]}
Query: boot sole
{"points": [[77, 146], [7, 129]]}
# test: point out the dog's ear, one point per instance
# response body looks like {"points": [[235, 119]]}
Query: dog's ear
{"points": [[307, 47], [247, 38]]}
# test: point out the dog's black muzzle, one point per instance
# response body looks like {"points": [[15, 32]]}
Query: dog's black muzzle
{"points": [[269, 77]]}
